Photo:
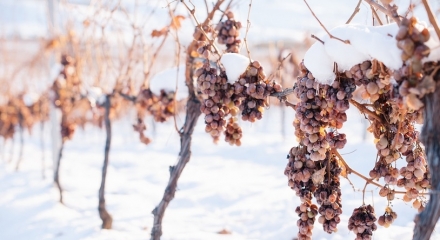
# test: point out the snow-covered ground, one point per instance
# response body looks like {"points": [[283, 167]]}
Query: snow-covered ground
{"points": [[240, 189]]}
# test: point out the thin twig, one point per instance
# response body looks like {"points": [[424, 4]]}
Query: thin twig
{"points": [[289, 104], [206, 6], [322, 25], [432, 18], [368, 180], [177, 59], [248, 25], [356, 10], [284, 93], [280, 65], [127, 97], [363, 193], [364, 109], [373, 10], [199, 26], [315, 37], [387, 10]]}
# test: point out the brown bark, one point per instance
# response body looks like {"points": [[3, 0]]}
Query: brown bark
{"points": [[106, 218], [426, 220], [192, 114], [56, 175], [43, 165], [11, 151], [20, 151]]}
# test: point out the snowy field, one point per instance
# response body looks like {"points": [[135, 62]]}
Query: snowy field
{"points": [[239, 189]]}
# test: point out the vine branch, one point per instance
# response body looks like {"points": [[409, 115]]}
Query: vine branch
{"points": [[248, 25], [432, 18], [356, 10], [322, 25], [388, 10]]}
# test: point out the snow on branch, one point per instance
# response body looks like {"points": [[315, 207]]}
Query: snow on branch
{"points": [[166, 80], [235, 64], [366, 43]]}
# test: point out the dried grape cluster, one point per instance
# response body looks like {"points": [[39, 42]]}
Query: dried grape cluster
{"points": [[393, 126], [328, 195], [362, 222], [313, 169], [213, 86], [392, 108], [372, 77], [255, 90], [306, 212], [310, 123], [161, 107], [67, 96], [412, 83], [233, 132], [387, 218], [299, 172], [337, 96], [228, 32], [247, 96], [415, 177]]}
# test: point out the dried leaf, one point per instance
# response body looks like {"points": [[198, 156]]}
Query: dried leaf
{"points": [[176, 22], [343, 169], [224, 231], [144, 140], [158, 33], [139, 127], [318, 176]]}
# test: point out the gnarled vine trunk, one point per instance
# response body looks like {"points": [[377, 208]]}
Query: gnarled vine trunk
{"points": [[106, 218], [192, 115], [20, 151], [56, 175], [430, 136]]}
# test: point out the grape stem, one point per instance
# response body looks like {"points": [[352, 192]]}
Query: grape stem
{"points": [[248, 25], [280, 65], [127, 97], [368, 180], [373, 10], [356, 10], [387, 9], [315, 37], [363, 193], [289, 104], [370, 113]]}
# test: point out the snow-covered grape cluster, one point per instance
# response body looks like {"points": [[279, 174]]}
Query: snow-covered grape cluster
{"points": [[392, 107]]}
